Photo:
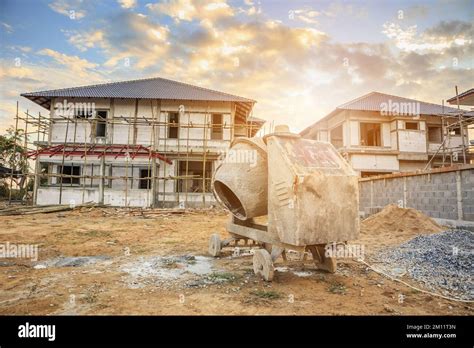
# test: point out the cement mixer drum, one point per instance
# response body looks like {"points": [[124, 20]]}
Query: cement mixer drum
{"points": [[241, 180]]}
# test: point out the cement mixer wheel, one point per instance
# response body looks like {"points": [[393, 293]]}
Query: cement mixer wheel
{"points": [[263, 264], [215, 245]]}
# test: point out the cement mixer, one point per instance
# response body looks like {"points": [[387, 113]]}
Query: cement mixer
{"points": [[305, 187]]}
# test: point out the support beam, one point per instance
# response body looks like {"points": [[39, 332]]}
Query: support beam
{"points": [[102, 180]]}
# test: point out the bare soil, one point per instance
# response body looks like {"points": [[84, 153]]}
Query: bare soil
{"points": [[158, 264]]}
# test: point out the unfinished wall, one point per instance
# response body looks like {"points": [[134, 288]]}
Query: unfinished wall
{"points": [[74, 169], [373, 162], [124, 115], [412, 141], [74, 195], [441, 193], [79, 131], [119, 191]]}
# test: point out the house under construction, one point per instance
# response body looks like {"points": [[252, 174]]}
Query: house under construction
{"points": [[381, 134], [150, 142]]}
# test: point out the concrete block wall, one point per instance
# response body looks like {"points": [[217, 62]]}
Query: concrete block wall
{"points": [[467, 184], [445, 193]]}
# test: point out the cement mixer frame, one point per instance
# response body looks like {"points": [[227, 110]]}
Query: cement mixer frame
{"points": [[272, 248], [305, 187]]}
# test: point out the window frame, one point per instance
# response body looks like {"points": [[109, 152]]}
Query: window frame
{"points": [[412, 122], [380, 133], [217, 129], [440, 132], [174, 126], [70, 181], [101, 121]]}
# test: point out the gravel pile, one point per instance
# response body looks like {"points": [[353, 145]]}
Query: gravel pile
{"points": [[443, 262]]}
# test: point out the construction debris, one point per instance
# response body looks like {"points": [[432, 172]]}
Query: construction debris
{"points": [[442, 262], [105, 210], [36, 209]]}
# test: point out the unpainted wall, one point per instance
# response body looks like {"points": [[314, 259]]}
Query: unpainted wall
{"points": [[444, 194]]}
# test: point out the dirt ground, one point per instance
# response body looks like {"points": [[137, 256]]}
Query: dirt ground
{"points": [[159, 265]]}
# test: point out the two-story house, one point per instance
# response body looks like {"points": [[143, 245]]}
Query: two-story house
{"points": [[148, 142], [380, 133]]}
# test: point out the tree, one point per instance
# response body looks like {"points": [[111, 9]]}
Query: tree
{"points": [[13, 155]]}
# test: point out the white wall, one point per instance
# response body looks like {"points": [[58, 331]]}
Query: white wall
{"points": [[411, 140], [123, 110], [50, 195], [355, 133], [386, 138], [78, 131], [369, 162]]}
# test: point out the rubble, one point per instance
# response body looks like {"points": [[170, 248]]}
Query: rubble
{"points": [[442, 262]]}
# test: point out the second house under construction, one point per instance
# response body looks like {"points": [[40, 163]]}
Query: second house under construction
{"points": [[150, 142]]}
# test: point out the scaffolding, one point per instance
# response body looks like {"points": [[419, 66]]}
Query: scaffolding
{"points": [[171, 173], [453, 124]]}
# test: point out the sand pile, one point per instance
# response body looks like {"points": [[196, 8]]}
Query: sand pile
{"points": [[393, 219]]}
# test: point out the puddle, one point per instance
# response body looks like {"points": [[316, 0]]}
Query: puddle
{"points": [[302, 273], [78, 261], [281, 269], [6, 263], [163, 271]]}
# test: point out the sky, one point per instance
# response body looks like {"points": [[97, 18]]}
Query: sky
{"points": [[298, 59]]}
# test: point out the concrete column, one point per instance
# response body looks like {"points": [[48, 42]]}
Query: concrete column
{"points": [[405, 205], [36, 183], [153, 183], [371, 193], [459, 194], [135, 128], [102, 180]]}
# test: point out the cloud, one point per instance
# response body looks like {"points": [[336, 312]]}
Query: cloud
{"points": [[415, 12], [439, 38], [127, 3], [7, 27], [307, 15], [189, 10], [86, 40], [296, 73], [338, 9], [127, 37], [71, 8], [451, 30], [30, 75], [78, 66]]}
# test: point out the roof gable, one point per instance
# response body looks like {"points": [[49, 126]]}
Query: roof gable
{"points": [[374, 101], [151, 88]]}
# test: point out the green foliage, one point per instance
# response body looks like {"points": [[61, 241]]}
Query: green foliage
{"points": [[14, 156], [12, 153]]}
